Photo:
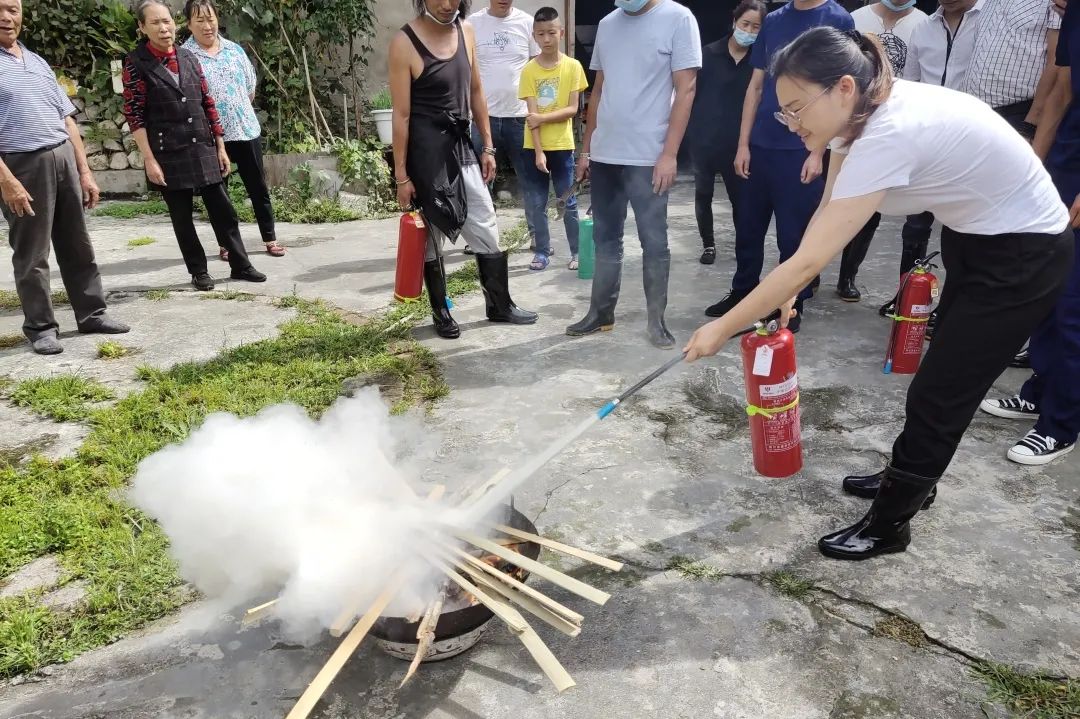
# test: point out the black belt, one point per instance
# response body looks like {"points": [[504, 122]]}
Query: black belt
{"points": [[1024, 106], [48, 148]]}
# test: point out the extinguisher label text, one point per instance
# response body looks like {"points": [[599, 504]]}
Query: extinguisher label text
{"points": [[782, 431], [763, 361], [772, 391], [920, 310]]}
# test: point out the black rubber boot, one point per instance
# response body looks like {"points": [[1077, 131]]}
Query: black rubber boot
{"points": [[885, 528], [607, 280], [495, 282], [866, 486], [435, 281], [655, 273]]}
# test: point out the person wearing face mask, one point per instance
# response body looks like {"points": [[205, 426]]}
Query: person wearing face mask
{"points": [[713, 132], [901, 147], [231, 78], [893, 23], [174, 121], [646, 58], [435, 86]]}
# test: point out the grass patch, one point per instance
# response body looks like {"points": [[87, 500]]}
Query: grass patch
{"points": [[10, 300], [73, 507], [902, 630], [227, 295], [111, 349], [64, 398], [11, 340], [691, 569], [790, 585], [131, 210], [1032, 696], [516, 237], [157, 295], [141, 241]]}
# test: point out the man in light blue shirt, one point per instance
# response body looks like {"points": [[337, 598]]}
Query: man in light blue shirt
{"points": [[646, 57]]}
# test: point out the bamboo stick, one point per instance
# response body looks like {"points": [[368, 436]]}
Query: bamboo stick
{"points": [[513, 618], [479, 490], [565, 612], [561, 548], [425, 635], [541, 570], [322, 680], [256, 613]]}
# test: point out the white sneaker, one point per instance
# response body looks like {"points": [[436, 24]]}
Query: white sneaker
{"points": [[1035, 449], [1010, 408]]}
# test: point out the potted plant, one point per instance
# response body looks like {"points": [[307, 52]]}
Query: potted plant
{"points": [[382, 114]]}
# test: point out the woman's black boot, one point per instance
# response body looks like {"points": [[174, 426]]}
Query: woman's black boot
{"points": [[495, 282], [884, 529], [435, 280], [866, 486]]}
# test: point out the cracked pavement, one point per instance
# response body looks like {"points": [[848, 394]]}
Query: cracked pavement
{"points": [[993, 572]]}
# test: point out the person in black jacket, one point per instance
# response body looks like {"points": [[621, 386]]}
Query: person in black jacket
{"points": [[175, 123], [435, 86], [713, 133]]}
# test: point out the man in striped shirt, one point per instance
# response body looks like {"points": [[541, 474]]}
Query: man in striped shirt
{"points": [[45, 183], [1016, 43]]}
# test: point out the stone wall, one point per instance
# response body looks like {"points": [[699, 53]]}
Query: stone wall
{"points": [[108, 140]]}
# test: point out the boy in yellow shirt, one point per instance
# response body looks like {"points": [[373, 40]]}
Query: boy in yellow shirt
{"points": [[550, 84]]}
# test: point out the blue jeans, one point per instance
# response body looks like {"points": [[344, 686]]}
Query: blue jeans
{"points": [[537, 189], [508, 137], [773, 188], [613, 186]]}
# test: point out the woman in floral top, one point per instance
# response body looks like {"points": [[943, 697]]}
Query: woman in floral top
{"points": [[232, 84]]}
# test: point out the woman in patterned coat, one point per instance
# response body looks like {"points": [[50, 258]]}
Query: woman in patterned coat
{"points": [[231, 78], [174, 121]]}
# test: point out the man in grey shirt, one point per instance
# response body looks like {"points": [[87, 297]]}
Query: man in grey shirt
{"points": [[45, 183], [646, 52]]}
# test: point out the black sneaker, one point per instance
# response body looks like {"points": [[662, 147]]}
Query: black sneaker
{"points": [[1010, 408], [1022, 360], [202, 281], [725, 305], [1035, 449], [248, 274], [888, 309], [708, 256]]}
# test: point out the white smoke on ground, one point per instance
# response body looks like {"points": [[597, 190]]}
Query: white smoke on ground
{"points": [[317, 512]]}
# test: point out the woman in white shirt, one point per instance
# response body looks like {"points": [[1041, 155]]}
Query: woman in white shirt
{"points": [[905, 147]]}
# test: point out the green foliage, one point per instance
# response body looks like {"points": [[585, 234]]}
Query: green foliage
{"points": [[381, 100], [131, 210], [157, 295], [14, 339], [141, 241], [111, 349], [10, 300], [362, 161], [64, 398], [334, 35]]}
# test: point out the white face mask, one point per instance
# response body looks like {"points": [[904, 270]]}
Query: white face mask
{"points": [[457, 14]]}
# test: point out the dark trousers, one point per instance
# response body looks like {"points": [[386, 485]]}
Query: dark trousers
{"points": [[706, 168], [247, 154], [772, 189], [1055, 347], [916, 238], [999, 289], [222, 219], [508, 137], [1014, 114], [51, 177], [537, 190], [613, 188]]}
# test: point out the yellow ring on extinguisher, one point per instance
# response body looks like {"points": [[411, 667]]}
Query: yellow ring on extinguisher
{"points": [[768, 413], [901, 318]]}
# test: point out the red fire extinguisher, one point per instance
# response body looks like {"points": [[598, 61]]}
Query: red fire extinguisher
{"points": [[772, 400], [914, 302], [412, 246]]}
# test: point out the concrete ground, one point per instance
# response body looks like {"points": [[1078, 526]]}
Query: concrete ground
{"points": [[992, 574]]}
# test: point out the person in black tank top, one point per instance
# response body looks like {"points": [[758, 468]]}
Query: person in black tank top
{"points": [[436, 92]]}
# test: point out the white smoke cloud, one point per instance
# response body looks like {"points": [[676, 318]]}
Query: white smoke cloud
{"points": [[318, 512]]}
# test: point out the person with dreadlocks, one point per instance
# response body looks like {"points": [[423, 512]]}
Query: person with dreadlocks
{"points": [[903, 147], [435, 86]]}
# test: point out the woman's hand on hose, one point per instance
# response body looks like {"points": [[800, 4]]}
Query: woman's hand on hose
{"points": [[707, 340]]}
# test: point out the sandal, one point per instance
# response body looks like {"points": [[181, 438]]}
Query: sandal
{"points": [[540, 262], [274, 249], [223, 254], [573, 263]]}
